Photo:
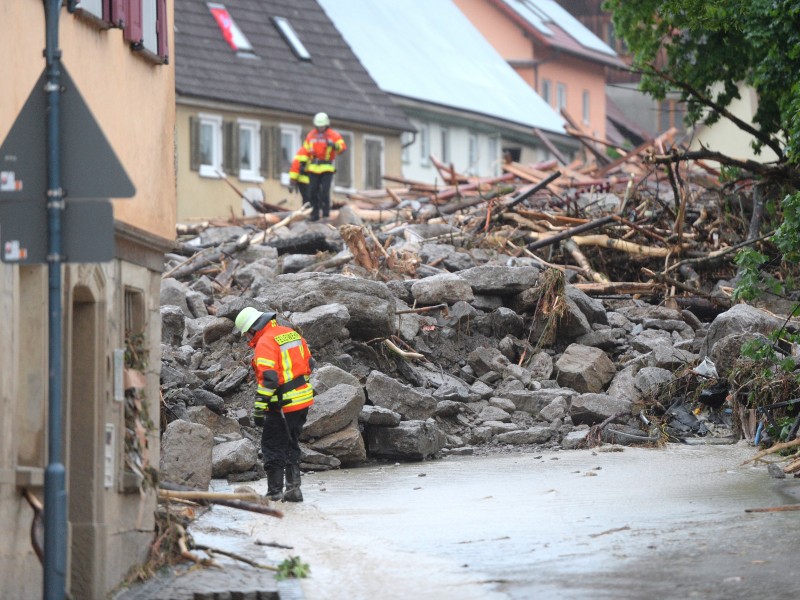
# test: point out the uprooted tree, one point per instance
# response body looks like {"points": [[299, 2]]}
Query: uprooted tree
{"points": [[707, 50]]}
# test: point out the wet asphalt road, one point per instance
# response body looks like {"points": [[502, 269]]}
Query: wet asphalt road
{"points": [[601, 524]]}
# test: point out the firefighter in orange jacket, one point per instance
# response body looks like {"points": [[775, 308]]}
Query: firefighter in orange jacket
{"points": [[297, 174], [322, 144], [282, 364]]}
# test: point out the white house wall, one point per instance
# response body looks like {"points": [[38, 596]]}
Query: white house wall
{"points": [[418, 167]]}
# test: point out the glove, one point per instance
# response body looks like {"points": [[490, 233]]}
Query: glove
{"points": [[258, 417], [293, 187]]}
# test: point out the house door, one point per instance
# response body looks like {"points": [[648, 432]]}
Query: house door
{"points": [[86, 443]]}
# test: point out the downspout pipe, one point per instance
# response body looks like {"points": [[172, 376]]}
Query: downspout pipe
{"points": [[55, 505]]}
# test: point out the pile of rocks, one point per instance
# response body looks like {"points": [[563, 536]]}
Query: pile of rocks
{"points": [[410, 368]]}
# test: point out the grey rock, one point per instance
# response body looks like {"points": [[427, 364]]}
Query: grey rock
{"points": [[387, 392], [233, 457], [186, 450], [442, 288], [321, 324], [410, 440], [584, 369], [333, 410]]}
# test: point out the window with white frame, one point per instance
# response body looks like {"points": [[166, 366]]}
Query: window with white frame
{"points": [[406, 140], [445, 144], [343, 177], [373, 162], [494, 155], [290, 144], [585, 107], [547, 91], [424, 145], [561, 96], [249, 157], [473, 155], [207, 145]]}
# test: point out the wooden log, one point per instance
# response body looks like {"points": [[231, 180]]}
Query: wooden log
{"points": [[619, 287], [549, 145], [552, 239]]}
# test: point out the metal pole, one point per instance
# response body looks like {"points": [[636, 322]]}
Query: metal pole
{"points": [[55, 504]]}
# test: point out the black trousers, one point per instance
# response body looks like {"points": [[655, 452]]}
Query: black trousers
{"points": [[319, 193], [303, 187], [278, 448]]}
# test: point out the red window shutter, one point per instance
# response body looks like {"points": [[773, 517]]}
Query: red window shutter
{"points": [[119, 13], [161, 30], [134, 27]]}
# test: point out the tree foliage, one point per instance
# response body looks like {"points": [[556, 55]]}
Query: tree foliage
{"points": [[705, 49], [710, 47]]}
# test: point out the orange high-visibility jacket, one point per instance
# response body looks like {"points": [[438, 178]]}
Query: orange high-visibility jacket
{"points": [[281, 362], [299, 165], [322, 148]]}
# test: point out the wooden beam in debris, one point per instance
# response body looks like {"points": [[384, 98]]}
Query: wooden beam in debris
{"points": [[552, 239], [601, 158], [550, 146]]}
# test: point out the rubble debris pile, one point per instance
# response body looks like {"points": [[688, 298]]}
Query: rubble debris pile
{"points": [[555, 306]]}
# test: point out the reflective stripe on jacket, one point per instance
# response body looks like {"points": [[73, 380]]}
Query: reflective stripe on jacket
{"points": [[299, 166], [281, 364], [322, 148]]}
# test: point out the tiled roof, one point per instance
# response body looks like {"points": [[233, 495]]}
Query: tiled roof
{"points": [[333, 81]]}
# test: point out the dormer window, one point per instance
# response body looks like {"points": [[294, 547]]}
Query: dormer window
{"points": [[230, 30], [290, 37]]}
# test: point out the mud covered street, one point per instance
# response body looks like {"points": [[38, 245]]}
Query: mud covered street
{"points": [[636, 523]]}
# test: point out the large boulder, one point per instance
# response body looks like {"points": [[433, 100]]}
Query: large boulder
{"points": [[186, 450], [410, 440], [237, 456], [370, 304], [333, 410], [387, 392], [584, 369]]}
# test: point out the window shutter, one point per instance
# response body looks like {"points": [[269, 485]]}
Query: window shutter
{"points": [[276, 152], [161, 30], [134, 27], [194, 143], [266, 148], [230, 148], [119, 13]]}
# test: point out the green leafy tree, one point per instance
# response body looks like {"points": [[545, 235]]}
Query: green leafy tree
{"points": [[705, 49]]}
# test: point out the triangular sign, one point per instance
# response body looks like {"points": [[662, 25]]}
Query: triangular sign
{"points": [[89, 167]]}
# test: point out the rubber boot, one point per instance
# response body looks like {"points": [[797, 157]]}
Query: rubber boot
{"points": [[275, 483], [293, 493]]}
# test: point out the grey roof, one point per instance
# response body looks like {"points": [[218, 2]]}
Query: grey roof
{"points": [[428, 50], [333, 81]]}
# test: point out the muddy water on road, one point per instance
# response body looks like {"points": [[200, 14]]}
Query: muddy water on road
{"points": [[572, 524]]}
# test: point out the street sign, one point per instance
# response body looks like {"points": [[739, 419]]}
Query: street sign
{"points": [[87, 231], [89, 167]]}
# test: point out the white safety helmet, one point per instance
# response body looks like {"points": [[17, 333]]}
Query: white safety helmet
{"points": [[249, 316], [321, 120]]}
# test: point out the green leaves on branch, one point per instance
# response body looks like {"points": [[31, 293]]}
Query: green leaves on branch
{"points": [[713, 46]]}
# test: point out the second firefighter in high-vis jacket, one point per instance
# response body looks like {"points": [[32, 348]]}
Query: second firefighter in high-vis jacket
{"points": [[297, 173], [323, 144]]}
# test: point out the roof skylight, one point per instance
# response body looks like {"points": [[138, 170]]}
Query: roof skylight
{"points": [[230, 30], [291, 37]]}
